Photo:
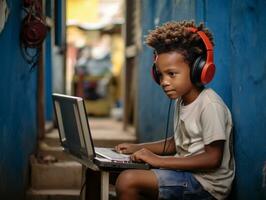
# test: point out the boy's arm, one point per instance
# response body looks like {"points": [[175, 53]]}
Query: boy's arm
{"points": [[158, 146], [155, 147], [210, 159]]}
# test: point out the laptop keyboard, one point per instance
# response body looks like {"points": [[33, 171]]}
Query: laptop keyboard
{"points": [[111, 154]]}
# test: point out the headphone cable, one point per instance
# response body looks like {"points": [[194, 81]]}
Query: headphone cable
{"points": [[167, 126], [82, 187]]}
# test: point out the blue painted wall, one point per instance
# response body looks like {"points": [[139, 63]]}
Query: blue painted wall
{"points": [[55, 38], [247, 36], [17, 109], [152, 103], [239, 30], [48, 64]]}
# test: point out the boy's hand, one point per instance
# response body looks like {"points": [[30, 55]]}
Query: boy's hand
{"points": [[145, 155], [127, 148]]}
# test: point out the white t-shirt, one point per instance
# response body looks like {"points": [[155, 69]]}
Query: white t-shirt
{"points": [[205, 120]]}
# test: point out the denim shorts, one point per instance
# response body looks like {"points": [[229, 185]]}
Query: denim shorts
{"points": [[179, 185]]}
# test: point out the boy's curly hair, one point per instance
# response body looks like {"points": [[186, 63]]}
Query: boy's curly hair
{"points": [[173, 36]]}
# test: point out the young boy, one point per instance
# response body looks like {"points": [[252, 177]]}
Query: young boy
{"points": [[198, 162]]}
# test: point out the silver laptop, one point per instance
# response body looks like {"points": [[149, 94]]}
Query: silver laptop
{"points": [[75, 136]]}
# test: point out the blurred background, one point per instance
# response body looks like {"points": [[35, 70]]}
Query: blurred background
{"points": [[95, 54]]}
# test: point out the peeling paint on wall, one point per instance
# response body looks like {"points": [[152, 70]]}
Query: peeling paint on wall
{"points": [[4, 11]]}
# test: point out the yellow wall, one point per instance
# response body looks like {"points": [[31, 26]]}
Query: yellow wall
{"points": [[82, 11]]}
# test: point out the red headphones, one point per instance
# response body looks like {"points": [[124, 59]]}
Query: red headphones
{"points": [[34, 29], [203, 68]]}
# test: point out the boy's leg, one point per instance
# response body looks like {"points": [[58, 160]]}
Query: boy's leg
{"points": [[136, 184]]}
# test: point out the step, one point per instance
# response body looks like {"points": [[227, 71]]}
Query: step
{"points": [[58, 194], [55, 194], [57, 175], [55, 151], [102, 130], [111, 135], [49, 125], [51, 138], [102, 137]]}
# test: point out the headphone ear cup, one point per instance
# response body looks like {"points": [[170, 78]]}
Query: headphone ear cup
{"points": [[196, 70], [33, 31], [155, 74]]}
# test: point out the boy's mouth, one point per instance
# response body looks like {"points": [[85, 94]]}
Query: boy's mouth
{"points": [[169, 92]]}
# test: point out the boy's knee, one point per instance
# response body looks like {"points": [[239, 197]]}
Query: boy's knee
{"points": [[125, 180]]}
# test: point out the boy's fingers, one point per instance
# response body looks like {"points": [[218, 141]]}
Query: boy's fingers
{"points": [[120, 149]]}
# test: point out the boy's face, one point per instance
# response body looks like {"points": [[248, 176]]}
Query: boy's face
{"points": [[174, 75]]}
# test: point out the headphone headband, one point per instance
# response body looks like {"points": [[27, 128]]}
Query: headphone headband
{"points": [[206, 41]]}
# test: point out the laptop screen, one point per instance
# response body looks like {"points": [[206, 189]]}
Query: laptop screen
{"points": [[73, 125]]}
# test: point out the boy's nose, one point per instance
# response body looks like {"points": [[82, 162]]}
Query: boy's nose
{"points": [[164, 82]]}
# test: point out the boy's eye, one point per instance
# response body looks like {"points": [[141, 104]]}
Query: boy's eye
{"points": [[171, 74]]}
